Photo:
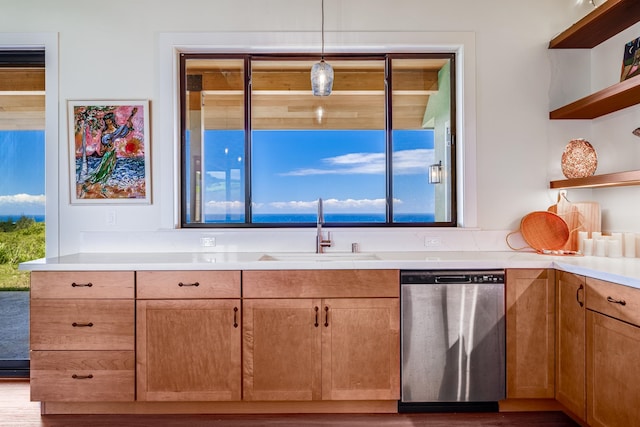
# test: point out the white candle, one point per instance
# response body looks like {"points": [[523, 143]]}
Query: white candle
{"points": [[629, 245], [588, 247], [600, 247], [614, 248], [596, 235], [581, 236]]}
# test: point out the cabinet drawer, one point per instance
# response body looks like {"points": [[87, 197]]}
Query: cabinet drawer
{"points": [[187, 284], [82, 284], [82, 324], [619, 301], [321, 284], [83, 376]]}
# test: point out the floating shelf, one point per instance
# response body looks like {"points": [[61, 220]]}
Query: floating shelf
{"points": [[617, 97], [618, 179], [601, 24]]}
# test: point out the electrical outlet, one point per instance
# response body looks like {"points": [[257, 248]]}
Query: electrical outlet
{"points": [[207, 242], [432, 242], [111, 218]]}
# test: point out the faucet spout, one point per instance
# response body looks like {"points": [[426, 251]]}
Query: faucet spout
{"points": [[321, 242]]}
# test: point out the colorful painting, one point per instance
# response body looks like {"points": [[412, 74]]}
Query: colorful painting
{"points": [[109, 144], [631, 60]]}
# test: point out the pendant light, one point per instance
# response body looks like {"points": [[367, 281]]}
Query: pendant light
{"points": [[321, 72]]}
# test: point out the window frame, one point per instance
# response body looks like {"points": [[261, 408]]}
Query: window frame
{"points": [[387, 57]]}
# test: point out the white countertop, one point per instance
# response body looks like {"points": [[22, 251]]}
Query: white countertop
{"points": [[625, 271]]}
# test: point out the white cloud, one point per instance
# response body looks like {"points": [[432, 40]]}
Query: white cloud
{"points": [[335, 205], [17, 204], [405, 162], [233, 206]]}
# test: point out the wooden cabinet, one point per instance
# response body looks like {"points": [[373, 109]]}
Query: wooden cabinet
{"points": [[570, 342], [329, 335], [613, 345], [282, 345], [530, 330], [82, 336], [188, 336]]}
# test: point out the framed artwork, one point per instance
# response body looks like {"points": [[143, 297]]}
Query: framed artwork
{"points": [[631, 60], [109, 147]]}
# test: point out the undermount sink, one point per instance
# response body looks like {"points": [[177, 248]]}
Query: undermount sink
{"points": [[315, 257]]}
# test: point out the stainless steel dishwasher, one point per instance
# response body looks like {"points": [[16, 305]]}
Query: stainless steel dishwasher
{"points": [[452, 340]]}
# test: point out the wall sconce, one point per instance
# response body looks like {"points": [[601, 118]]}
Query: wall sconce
{"points": [[435, 173]]}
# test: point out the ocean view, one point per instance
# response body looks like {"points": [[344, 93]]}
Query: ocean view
{"points": [[305, 218], [36, 218]]}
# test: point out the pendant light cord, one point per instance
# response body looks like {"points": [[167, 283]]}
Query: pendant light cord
{"points": [[322, 54]]}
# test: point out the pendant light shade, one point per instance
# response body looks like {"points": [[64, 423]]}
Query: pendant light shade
{"points": [[321, 78], [321, 72]]}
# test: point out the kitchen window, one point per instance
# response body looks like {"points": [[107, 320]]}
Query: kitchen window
{"points": [[258, 149]]}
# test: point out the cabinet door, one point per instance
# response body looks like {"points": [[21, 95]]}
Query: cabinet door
{"points": [[188, 350], [281, 349], [361, 349], [570, 342], [530, 295], [613, 379]]}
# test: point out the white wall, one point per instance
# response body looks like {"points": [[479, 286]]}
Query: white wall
{"points": [[118, 50], [577, 73]]}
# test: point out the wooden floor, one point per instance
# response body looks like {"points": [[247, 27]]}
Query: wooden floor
{"points": [[17, 411]]}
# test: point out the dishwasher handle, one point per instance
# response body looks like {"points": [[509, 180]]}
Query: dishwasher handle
{"points": [[462, 278]]}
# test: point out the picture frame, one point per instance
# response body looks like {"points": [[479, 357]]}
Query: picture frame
{"points": [[109, 145], [630, 60]]}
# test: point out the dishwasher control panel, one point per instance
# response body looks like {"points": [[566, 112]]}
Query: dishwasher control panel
{"points": [[430, 277]]}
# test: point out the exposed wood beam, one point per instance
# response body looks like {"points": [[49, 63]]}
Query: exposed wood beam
{"points": [[21, 79]]}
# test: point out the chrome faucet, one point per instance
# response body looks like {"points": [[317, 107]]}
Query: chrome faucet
{"points": [[321, 242]]}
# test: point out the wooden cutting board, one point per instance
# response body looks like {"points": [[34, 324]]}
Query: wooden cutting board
{"points": [[579, 216]]}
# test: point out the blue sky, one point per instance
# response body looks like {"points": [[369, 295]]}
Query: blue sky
{"points": [[22, 173], [292, 169]]}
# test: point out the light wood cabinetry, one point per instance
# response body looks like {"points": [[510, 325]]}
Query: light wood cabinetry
{"points": [[329, 335], [82, 336], [613, 345], [570, 342], [188, 336], [530, 330]]}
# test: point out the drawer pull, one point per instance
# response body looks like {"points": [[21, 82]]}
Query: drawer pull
{"points": [[196, 284], [235, 317], [81, 285], [616, 301], [316, 310], [326, 316], [82, 377], [82, 325]]}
